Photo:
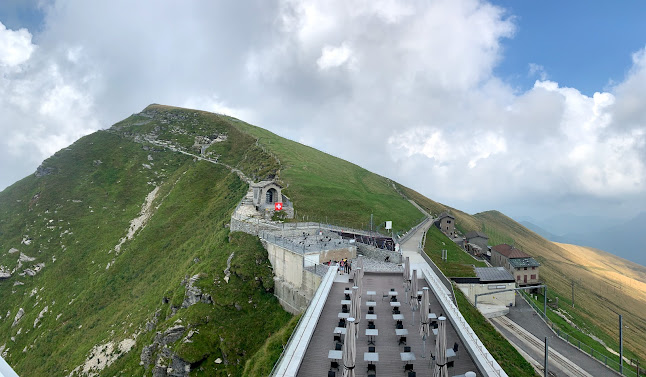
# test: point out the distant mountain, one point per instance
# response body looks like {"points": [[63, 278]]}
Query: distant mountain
{"points": [[538, 230], [626, 239]]}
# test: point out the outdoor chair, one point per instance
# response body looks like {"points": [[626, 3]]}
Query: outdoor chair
{"points": [[371, 310], [338, 347], [337, 337], [347, 296], [408, 367], [344, 308], [406, 348], [392, 289], [334, 365], [371, 349], [341, 323], [402, 340], [456, 346], [372, 368], [412, 374], [371, 326], [393, 299], [450, 364], [331, 373]]}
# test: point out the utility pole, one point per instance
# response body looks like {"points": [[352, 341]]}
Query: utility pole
{"points": [[545, 373], [545, 302], [621, 345]]}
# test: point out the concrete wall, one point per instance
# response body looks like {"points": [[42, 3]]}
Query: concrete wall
{"points": [[337, 255], [287, 265], [503, 299], [294, 285]]}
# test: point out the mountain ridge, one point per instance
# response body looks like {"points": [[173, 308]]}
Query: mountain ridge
{"points": [[164, 293]]}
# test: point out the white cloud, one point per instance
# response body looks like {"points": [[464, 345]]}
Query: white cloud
{"points": [[332, 57], [15, 46], [405, 88]]}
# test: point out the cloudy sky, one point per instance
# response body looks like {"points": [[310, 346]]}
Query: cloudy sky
{"points": [[532, 108]]}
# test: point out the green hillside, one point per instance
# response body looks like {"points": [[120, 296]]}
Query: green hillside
{"points": [[101, 301], [608, 286]]}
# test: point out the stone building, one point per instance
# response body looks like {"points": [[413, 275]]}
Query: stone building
{"points": [[522, 266], [265, 196], [476, 242], [487, 280], [446, 222]]}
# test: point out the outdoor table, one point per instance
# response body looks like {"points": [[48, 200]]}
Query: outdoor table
{"points": [[347, 291], [371, 317], [396, 317], [371, 357], [405, 356], [371, 333], [371, 293], [450, 353], [371, 303], [419, 293], [432, 316], [339, 330], [335, 355], [344, 315], [346, 302], [395, 304], [392, 293], [400, 332]]}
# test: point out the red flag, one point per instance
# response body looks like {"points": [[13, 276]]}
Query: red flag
{"points": [[278, 206]]}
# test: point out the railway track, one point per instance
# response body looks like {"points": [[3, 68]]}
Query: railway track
{"points": [[555, 358]]}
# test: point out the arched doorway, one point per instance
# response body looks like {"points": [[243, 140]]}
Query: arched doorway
{"points": [[271, 196]]}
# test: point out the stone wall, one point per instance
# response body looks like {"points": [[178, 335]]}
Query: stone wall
{"points": [[378, 254], [250, 228]]}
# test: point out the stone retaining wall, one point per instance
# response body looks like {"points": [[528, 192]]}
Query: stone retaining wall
{"points": [[378, 254]]}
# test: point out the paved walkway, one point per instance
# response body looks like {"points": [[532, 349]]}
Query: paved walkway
{"points": [[523, 315], [316, 362]]}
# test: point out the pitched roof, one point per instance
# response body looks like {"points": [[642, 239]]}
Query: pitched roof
{"points": [[509, 251], [524, 262], [445, 214], [494, 274], [265, 184], [474, 234]]}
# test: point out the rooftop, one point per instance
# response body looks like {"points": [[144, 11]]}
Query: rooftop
{"points": [[509, 251], [445, 214], [317, 363], [493, 274], [524, 262], [474, 234]]}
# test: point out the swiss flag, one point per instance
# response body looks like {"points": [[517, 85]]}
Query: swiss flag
{"points": [[278, 206]]}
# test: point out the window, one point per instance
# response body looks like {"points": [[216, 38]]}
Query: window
{"points": [[533, 277], [518, 278], [533, 268], [525, 268]]}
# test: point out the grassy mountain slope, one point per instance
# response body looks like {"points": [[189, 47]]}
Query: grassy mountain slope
{"points": [[605, 284], [120, 233], [323, 186], [72, 220]]}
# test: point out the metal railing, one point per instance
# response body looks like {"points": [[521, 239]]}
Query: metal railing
{"points": [[467, 332], [571, 339], [302, 248]]}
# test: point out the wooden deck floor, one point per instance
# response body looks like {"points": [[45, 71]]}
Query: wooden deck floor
{"points": [[316, 362]]}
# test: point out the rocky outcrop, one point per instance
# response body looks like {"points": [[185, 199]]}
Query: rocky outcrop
{"points": [[42, 171], [40, 316], [5, 273], [194, 294], [18, 316], [166, 363]]}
